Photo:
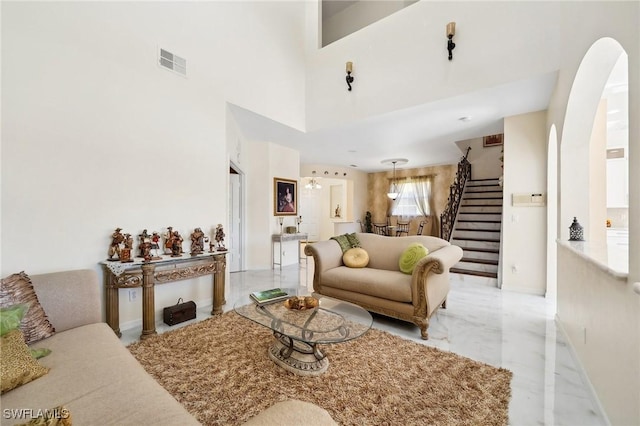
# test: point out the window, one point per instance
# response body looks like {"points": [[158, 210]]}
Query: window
{"points": [[414, 198]]}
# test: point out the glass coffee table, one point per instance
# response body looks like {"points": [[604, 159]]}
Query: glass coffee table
{"points": [[298, 333]]}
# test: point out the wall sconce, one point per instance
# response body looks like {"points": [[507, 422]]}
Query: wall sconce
{"points": [[451, 31], [349, 76]]}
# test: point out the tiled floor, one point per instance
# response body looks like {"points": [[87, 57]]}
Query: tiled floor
{"points": [[503, 329]]}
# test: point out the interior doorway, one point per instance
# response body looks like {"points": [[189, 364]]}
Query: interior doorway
{"points": [[236, 255]]}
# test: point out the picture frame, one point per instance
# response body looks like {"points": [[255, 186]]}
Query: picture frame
{"points": [[492, 140], [285, 197]]}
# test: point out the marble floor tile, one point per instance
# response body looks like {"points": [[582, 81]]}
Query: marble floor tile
{"points": [[504, 329]]}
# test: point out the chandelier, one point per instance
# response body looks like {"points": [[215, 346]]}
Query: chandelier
{"points": [[313, 182], [393, 190]]}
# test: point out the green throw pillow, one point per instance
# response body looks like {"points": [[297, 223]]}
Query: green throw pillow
{"points": [[11, 316], [353, 240], [411, 256], [343, 241]]}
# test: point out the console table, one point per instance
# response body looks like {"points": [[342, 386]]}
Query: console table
{"points": [[281, 238], [147, 274]]}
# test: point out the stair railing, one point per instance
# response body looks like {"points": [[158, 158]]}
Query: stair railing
{"points": [[448, 216]]}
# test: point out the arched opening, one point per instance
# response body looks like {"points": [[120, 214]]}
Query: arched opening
{"points": [[602, 79]]}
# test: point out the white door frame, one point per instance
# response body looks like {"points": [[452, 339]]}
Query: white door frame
{"points": [[240, 228]]}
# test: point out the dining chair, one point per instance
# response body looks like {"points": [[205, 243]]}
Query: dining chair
{"points": [[421, 227], [380, 229], [402, 228]]}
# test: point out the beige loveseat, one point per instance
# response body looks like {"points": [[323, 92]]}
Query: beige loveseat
{"points": [[380, 287], [94, 375]]}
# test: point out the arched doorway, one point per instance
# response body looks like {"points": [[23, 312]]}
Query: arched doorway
{"points": [[582, 153]]}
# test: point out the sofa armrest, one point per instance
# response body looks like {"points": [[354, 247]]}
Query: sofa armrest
{"points": [[70, 298], [326, 255], [428, 291], [443, 258]]}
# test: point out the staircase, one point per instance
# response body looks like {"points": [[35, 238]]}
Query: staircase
{"points": [[477, 230]]}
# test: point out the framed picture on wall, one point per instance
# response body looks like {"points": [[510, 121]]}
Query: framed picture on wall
{"points": [[285, 197], [493, 140]]}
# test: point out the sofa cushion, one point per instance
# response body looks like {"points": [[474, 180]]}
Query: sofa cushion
{"points": [[374, 282], [411, 256], [94, 375], [17, 288], [355, 258], [17, 366]]}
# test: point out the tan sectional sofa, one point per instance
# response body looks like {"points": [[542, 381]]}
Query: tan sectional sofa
{"points": [[380, 287], [93, 374]]}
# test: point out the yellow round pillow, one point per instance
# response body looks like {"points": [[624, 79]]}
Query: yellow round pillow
{"points": [[355, 258]]}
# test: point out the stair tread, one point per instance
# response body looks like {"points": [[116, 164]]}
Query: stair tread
{"points": [[481, 250], [483, 261], [478, 212], [476, 230], [479, 221], [470, 272], [486, 240]]}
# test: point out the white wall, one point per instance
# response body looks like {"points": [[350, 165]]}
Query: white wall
{"points": [[401, 60], [485, 161], [95, 135], [524, 228]]}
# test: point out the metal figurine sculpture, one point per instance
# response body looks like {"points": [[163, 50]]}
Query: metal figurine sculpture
{"points": [[176, 244], [168, 239], [197, 242], [145, 244], [114, 249], [125, 252], [220, 238], [155, 246]]}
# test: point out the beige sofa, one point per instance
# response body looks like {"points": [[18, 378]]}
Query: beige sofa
{"points": [[93, 374], [380, 287]]}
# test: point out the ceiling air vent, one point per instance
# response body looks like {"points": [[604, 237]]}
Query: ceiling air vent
{"points": [[615, 153], [173, 62]]}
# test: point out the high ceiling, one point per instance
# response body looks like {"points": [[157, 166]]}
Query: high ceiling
{"points": [[425, 134]]}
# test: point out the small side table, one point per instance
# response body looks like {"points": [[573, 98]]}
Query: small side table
{"points": [[282, 238]]}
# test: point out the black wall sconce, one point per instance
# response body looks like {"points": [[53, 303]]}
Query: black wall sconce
{"points": [[349, 76], [451, 31]]}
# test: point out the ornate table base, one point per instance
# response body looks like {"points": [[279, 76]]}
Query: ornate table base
{"points": [[300, 358]]}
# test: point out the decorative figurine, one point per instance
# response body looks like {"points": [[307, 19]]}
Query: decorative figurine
{"points": [[125, 252], [145, 244], [176, 244], [338, 210], [155, 246], [116, 239], [168, 240], [220, 238], [197, 242]]}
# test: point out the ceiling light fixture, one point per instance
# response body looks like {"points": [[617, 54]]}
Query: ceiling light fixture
{"points": [[313, 182], [349, 76], [451, 31], [393, 192]]}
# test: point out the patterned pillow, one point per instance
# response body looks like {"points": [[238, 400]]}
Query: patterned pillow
{"points": [[17, 288], [17, 366], [343, 242], [353, 240], [411, 256]]}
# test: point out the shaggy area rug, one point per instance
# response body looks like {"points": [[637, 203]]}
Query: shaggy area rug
{"points": [[220, 371]]}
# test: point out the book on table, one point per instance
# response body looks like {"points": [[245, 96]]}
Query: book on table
{"points": [[269, 296]]}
